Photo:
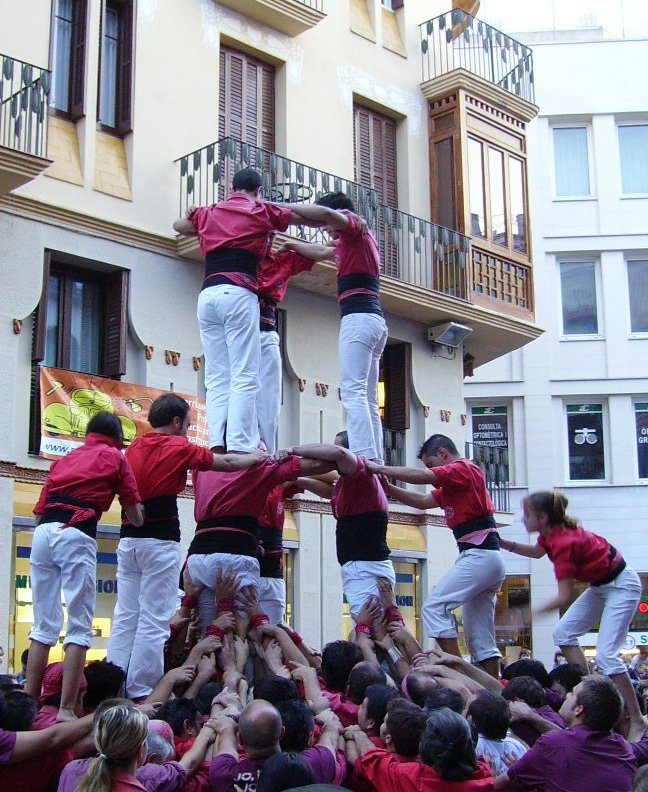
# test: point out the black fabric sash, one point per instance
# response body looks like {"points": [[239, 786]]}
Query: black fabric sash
{"points": [[362, 537], [161, 520], [235, 535]]}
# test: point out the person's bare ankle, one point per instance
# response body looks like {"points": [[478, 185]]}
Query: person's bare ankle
{"points": [[65, 714]]}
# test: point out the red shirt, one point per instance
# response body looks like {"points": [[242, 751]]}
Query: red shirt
{"points": [[388, 774], [241, 493], [461, 492], [240, 222], [40, 774], [94, 473], [579, 554], [121, 782], [272, 278], [160, 463], [345, 709], [357, 251], [358, 493]]}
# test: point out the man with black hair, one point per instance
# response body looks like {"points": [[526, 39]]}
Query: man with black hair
{"points": [[234, 238], [17, 711], [489, 713], [363, 331], [149, 557], [105, 681], [565, 677], [418, 685], [372, 711], [445, 697], [363, 675], [402, 729], [537, 717], [587, 756], [477, 576], [298, 725], [338, 660], [275, 689]]}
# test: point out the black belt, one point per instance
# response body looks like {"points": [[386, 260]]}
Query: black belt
{"points": [[161, 520], [613, 575], [58, 513], [235, 535], [229, 260]]}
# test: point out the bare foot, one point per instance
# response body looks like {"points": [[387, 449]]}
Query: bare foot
{"points": [[65, 715]]}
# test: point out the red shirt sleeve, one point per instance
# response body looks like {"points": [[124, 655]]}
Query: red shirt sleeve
{"points": [[354, 229], [198, 217], [288, 470], [379, 768], [126, 485], [199, 457], [278, 216], [298, 263]]}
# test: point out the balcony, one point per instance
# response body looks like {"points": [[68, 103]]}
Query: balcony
{"points": [[291, 17], [23, 122], [429, 272], [495, 464], [458, 50]]}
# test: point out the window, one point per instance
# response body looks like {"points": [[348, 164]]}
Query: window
{"points": [[394, 399], [517, 205], [513, 615], [633, 150], [68, 57], [79, 325], [571, 161], [497, 206], [392, 5], [579, 299], [585, 442], [638, 293], [641, 424], [476, 187], [116, 66]]}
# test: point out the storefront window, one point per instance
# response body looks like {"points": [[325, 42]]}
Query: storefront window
{"points": [[288, 570]]}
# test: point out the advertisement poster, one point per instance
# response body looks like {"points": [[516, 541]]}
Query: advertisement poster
{"points": [[490, 426], [69, 401], [641, 417]]}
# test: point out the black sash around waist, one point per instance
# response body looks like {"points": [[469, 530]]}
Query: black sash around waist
{"points": [[225, 260], [271, 555], [235, 535], [359, 303], [482, 523], [614, 574], [267, 314], [56, 512], [362, 537], [161, 520]]}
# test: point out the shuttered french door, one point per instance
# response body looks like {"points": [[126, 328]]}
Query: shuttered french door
{"points": [[374, 144]]}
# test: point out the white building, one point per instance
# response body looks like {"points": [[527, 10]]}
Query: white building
{"points": [[573, 405]]}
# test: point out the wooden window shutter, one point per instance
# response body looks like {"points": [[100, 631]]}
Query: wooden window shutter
{"points": [[374, 146], [246, 99], [116, 324], [125, 69], [267, 136], [397, 363], [362, 147], [222, 93], [77, 65]]}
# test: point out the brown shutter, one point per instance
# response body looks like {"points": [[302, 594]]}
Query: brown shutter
{"points": [[397, 361], [125, 69], [267, 137], [77, 64], [246, 99], [116, 324], [375, 154]]}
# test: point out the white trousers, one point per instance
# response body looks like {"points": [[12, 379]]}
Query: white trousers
{"points": [[63, 559], [614, 604], [362, 339], [148, 572], [269, 402], [359, 581], [203, 568], [228, 317], [272, 598], [473, 583]]}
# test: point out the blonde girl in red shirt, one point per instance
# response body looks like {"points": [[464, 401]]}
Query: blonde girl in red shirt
{"points": [[611, 598]]}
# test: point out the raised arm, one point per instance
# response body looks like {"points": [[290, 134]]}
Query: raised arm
{"points": [[225, 462], [310, 251], [321, 215], [344, 460], [409, 475]]}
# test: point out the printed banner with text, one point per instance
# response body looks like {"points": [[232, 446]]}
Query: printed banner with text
{"points": [[70, 399]]}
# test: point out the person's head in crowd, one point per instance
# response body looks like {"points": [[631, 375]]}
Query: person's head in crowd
{"points": [[524, 654], [417, 686], [642, 690], [402, 728], [438, 450], [284, 771], [162, 729], [447, 745], [206, 695], [559, 658], [298, 725], [108, 425], [643, 654], [52, 684], [372, 710], [565, 677], [338, 659], [260, 729], [595, 702], [158, 750], [444, 697], [640, 782], [247, 180], [23, 662], [9, 682], [641, 671], [362, 675], [529, 668], [527, 689], [17, 710], [171, 414], [105, 680], [490, 715], [275, 689], [342, 439], [120, 733], [183, 716]]}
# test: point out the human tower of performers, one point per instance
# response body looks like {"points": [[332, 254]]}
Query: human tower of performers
{"points": [[218, 693]]}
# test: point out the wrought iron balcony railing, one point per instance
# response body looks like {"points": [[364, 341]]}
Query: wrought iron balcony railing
{"points": [[495, 464], [23, 106], [413, 250], [457, 40]]}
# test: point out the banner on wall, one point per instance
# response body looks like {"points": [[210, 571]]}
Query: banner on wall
{"points": [[641, 418], [70, 399]]}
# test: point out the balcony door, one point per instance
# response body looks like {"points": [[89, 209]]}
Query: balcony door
{"points": [[374, 148]]}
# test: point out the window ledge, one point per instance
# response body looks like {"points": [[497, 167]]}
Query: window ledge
{"points": [[564, 198], [633, 197], [587, 483], [641, 336], [576, 337]]}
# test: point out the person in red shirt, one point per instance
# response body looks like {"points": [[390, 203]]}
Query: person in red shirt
{"points": [[233, 238], [612, 596], [227, 508], [363, 332], [79, 488], [477, 576], [148, 556], [274, 274]]}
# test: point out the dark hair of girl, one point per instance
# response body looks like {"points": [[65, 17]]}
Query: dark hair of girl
{"points": [[553, 504], [447, 746]]}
